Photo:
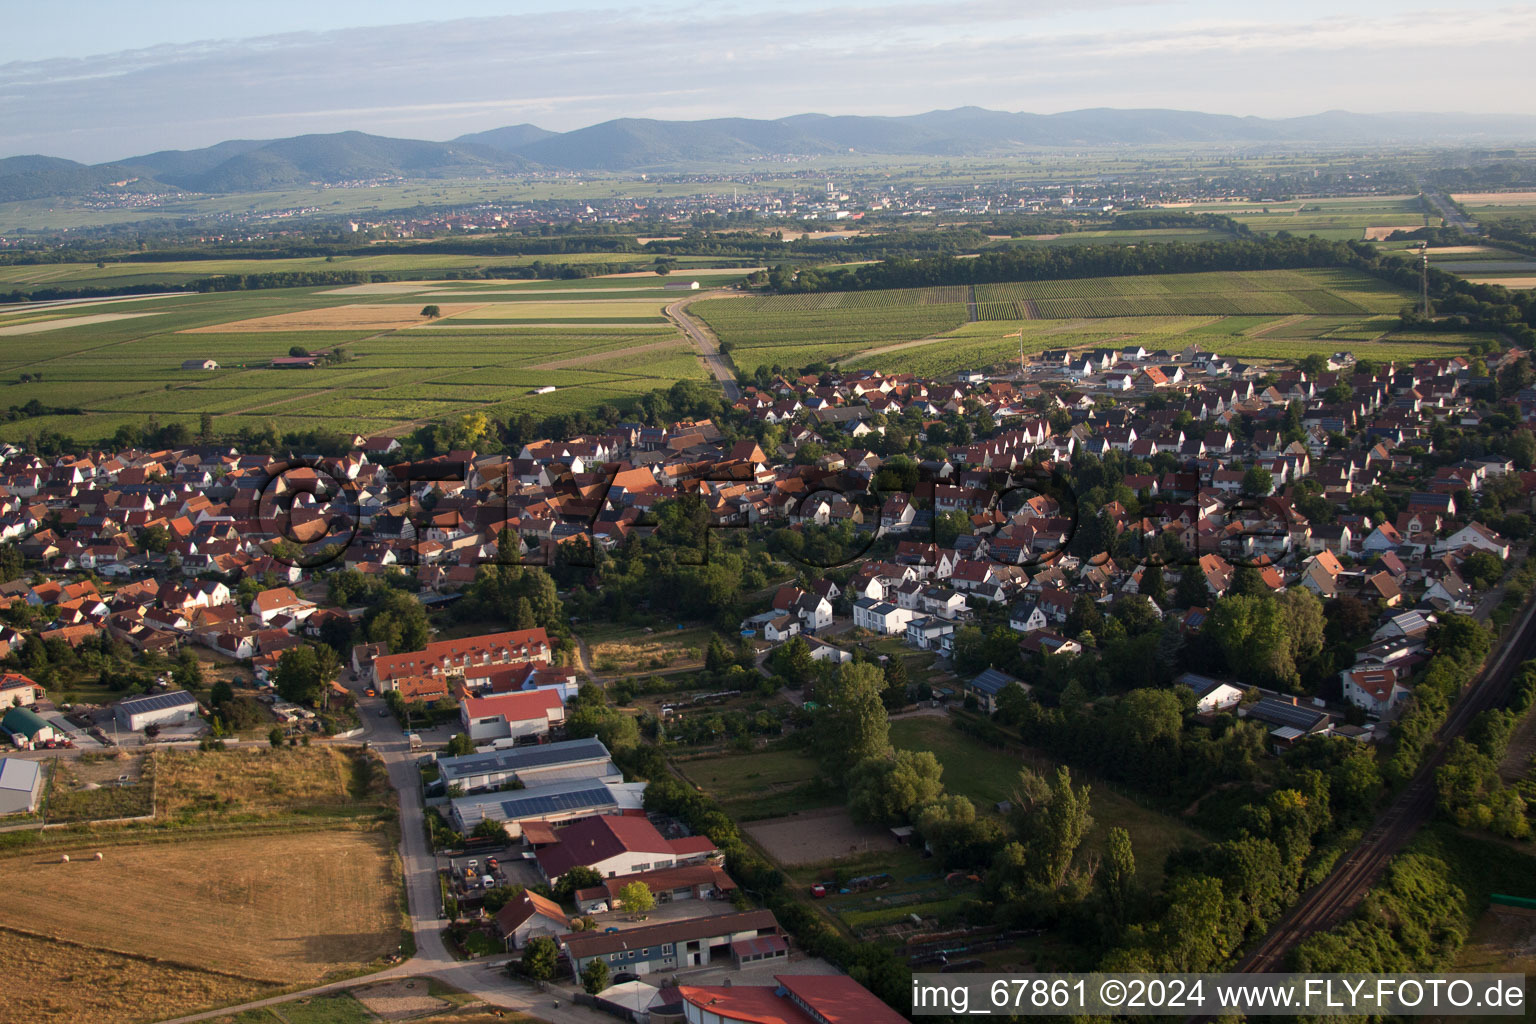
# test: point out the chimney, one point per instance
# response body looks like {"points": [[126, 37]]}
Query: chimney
{"points": [[1294, 702]]}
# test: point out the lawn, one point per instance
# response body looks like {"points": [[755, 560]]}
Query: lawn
{"points": [[341, 1008], [1257, 338], [1267, 314], [762, 784], [988, 776]]}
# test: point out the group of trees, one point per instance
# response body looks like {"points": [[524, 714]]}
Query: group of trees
{"points": [[685, 568], [1269, 638], [524, 597], [1470, 789], [1460, 643], [304, 674]]}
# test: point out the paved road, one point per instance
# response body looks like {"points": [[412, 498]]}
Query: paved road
{"points": [[1452, 216], [1332, 899], [704, 339], [480, 978]]}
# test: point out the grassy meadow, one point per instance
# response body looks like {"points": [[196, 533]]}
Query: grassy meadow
{"points": [[987, 776]]}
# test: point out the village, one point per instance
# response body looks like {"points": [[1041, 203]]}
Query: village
{"points": [[226, 596]]}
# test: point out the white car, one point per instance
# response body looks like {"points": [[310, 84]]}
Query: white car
{"points": [[598, 908]]}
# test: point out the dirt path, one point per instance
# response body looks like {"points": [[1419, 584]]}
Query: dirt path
{"points": [[1260, 332], [704, 339]]}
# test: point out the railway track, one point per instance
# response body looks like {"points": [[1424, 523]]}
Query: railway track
{"points": [[1330, 901]]}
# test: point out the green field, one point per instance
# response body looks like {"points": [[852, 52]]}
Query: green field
{"points": [[764, 784], [793, 330], [987, 776], [1340, 218], [592, 346], [1256, 315]]}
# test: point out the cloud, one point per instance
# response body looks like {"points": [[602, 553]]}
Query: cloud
{"points": [[565, 69]]}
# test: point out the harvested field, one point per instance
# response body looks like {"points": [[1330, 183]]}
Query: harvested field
{"points": [[400, 1000], [1495, 198], [1507, 282], [816, 837], [572, 309], [57, 982], [336, 318], [275, 909], [387, 288], [73, 321]]}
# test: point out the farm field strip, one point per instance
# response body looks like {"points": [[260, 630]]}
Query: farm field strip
{"points": [[120, 371], [990, 343]]}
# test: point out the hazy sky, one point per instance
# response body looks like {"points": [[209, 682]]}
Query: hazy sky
{"points": [[97, 80]]}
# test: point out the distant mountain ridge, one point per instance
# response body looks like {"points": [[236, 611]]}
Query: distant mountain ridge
{"points": [[632, 144]]}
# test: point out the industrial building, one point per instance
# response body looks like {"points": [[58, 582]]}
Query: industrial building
{"points": [[175, 707], [533, 766], [21, 785], [562, 801]]}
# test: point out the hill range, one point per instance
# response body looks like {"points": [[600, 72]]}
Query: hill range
{"points": [[637, 144]]}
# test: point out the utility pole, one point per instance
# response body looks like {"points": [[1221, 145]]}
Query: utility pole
{"points": [[1424, 277]]}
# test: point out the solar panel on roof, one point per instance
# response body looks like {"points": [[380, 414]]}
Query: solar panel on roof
{"points": [[1283, 713], [600, 796], [157, 701], [522, 757]]}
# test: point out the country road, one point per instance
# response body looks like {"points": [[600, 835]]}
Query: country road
{"points": [[1328, 903], [703, 338], [1448, 210]]}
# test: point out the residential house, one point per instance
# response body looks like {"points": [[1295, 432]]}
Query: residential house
{"points": [[989, 684], [881, 616], [530, 916], [508, 718]]}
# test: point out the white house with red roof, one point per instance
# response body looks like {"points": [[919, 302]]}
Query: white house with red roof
{"points": [[504, 718], [1376, 690], [1474, 535], [17, 690], [619, 844], [280, 601]]}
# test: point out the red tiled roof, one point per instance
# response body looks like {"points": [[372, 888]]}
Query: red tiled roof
{"points": [[693, 845], [838, 999], [523, 706], [590, 840]]}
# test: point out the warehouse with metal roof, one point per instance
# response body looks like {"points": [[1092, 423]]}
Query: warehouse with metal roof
{"points": [[562, 801], [540, 765], [171, 708]]}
